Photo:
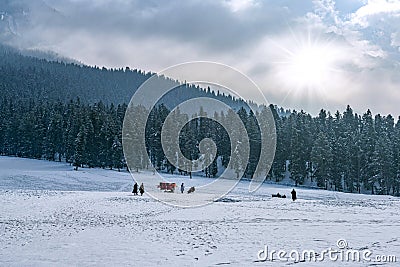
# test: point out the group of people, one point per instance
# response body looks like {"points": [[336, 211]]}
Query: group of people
{"points": [[135, 189], [141, 189]]}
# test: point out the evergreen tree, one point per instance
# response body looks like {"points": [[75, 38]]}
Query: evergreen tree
{"points": [[117, 155], [321, 158], [80, 146]]}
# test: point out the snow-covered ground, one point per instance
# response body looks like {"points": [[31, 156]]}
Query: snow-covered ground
{"points": [[51, 215]]}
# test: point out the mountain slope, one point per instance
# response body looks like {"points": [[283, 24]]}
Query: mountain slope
{"points": [[30, 78]]}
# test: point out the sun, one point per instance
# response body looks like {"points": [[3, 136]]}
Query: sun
{"points": [[310, 66]]}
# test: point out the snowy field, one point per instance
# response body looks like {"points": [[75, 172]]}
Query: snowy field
{"points": [[54, 216]]}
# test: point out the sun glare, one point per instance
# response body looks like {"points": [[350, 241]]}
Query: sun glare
{"points": [[310, 66]]}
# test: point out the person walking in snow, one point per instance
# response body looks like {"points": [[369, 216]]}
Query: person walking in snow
{"points": [[182, 188], [141, 189], [135, 189], [294, 194]]}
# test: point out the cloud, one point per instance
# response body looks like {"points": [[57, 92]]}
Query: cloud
{"points": [[206, 24], [395, 42], [375, 8], [240, 5]]}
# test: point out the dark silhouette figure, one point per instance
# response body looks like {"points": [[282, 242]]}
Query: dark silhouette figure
{"points": [[141, 189], [191, 190], [294, 194], [182, 188], [135, 189]]}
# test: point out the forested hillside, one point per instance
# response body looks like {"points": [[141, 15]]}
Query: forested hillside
{"points": [[28, 78]]}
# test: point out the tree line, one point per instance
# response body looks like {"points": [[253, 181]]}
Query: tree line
{"points": [[344, 151]]}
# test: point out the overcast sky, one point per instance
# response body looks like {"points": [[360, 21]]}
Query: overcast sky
{"points": [[302, 54]]}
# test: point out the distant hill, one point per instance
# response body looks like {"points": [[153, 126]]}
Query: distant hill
{"points": [[31, 78]]}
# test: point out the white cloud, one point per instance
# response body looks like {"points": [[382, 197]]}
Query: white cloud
{"points": [[375, 7], [395, 42]]}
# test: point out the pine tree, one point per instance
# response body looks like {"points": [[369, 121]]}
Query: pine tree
{"points": [[396, 159], [279, 163], [254, 135], [89, 155], [80, 146], [367, 142], [54, 137], [117, 155], [297, 157], [224, 142], [321, 157], [137, 137]]}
